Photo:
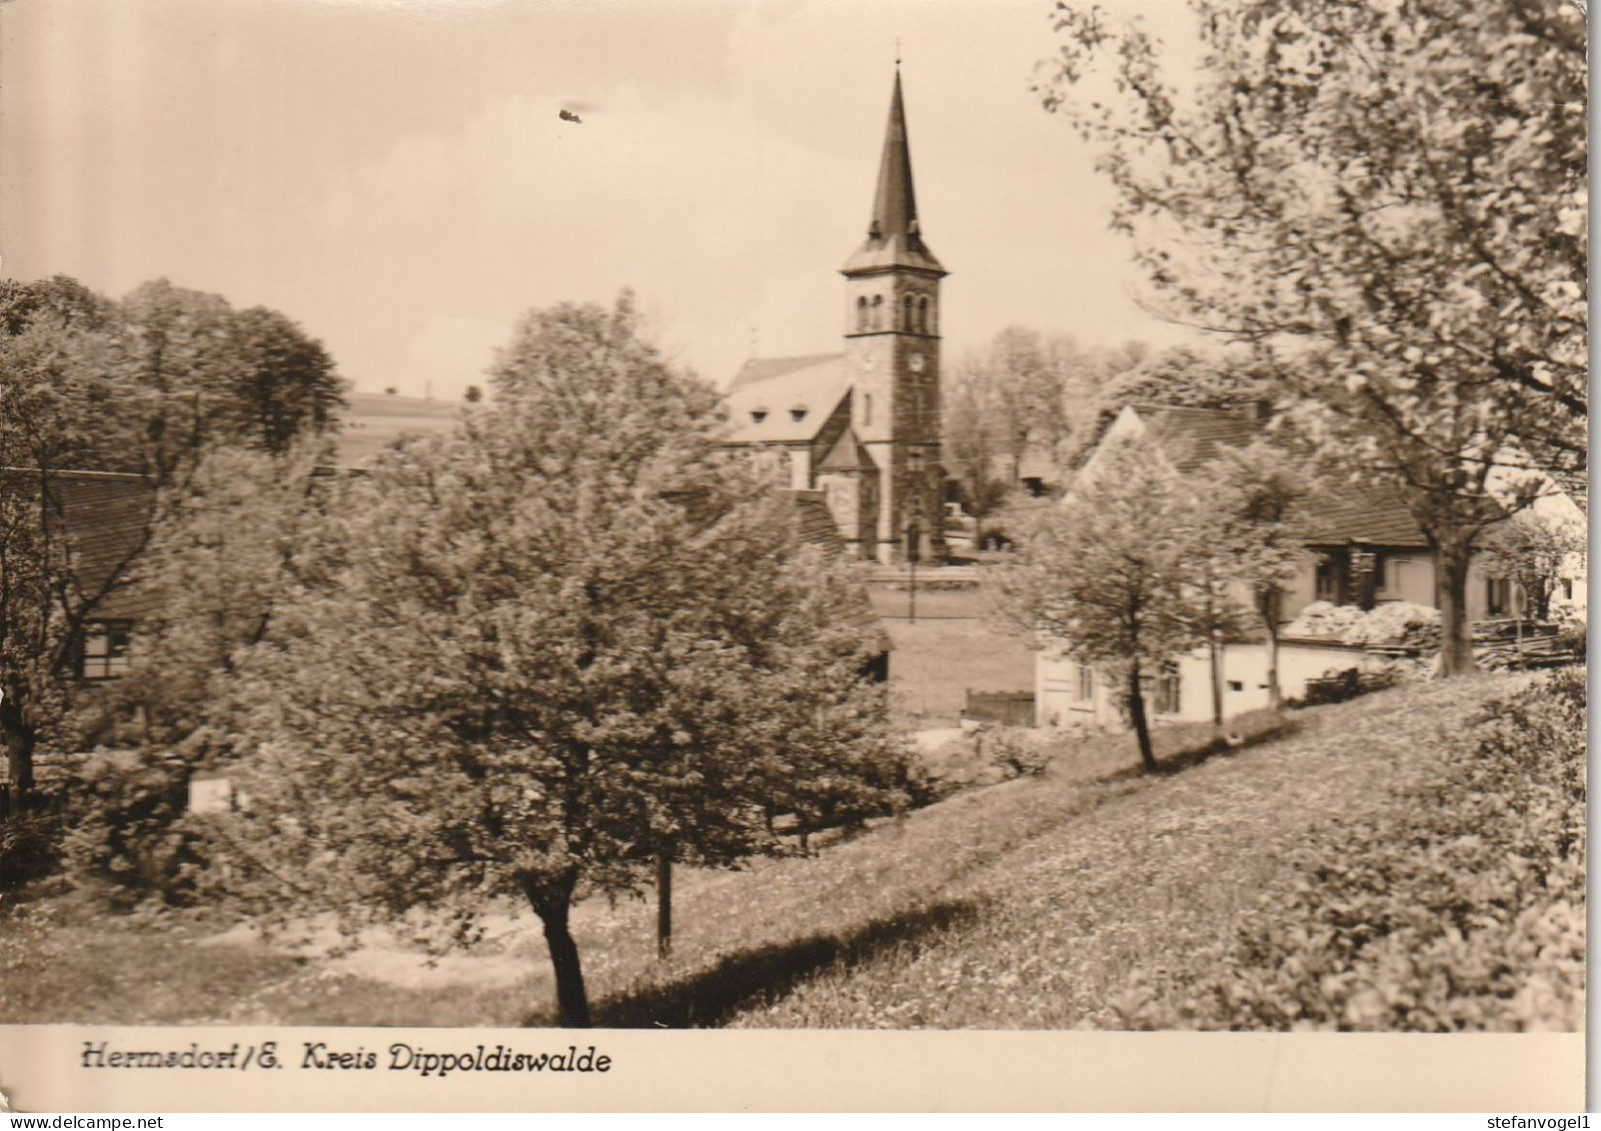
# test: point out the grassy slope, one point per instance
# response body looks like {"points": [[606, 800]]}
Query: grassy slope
{"points": [[1026, 904], [1146, 886]]}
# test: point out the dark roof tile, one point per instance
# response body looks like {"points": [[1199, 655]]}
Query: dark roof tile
{"points": [[107, 519], [1369, 515]]}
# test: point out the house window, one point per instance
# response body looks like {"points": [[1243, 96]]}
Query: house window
{"points": [[1166, 697], [861, 314], [1567, 588], [867, 409], [105, 650], [1498, 597], [1085, 691], [1390, 575], [1327, 583]]}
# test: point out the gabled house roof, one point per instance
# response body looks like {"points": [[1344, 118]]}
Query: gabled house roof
{"points": [[847, 454], [1576, 486], [106, 518], [815, 523], [785, 400], [1371, 516], [1190, 438]]}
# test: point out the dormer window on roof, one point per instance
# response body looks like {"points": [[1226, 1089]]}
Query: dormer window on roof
{"points": [[757, 415], [798, 413]]}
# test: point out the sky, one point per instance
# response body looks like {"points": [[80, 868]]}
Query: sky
{"points": [[394, 174]]}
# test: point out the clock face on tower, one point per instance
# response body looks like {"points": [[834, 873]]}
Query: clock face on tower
{"points": [[915, 362]]}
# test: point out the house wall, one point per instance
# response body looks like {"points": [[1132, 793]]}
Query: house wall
{"points": [[842, 491], [1244, 674], [800, 468], [1408, 576]]}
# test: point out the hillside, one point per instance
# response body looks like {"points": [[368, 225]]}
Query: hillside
{"points": [[1045, 902], [372, 421]]}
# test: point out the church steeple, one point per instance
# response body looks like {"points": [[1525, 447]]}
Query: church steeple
{"points": [[894, 238]]}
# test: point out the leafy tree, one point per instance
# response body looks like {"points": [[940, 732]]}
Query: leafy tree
{"points": [[213, 577], [56, 377], [1533, 554], [1188, 378], [1258, 538], [1211, 610], [142, 389], [1387, 199], [1109, 577], [284, 384], [970, 448], [1025, 395], [545, 650]]}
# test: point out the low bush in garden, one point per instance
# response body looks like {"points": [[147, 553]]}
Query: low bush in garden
{"points": [[126, 842], [1458, 906], [30, 848]]}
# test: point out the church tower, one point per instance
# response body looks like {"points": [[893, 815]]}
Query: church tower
{"points": [[892, 351]]}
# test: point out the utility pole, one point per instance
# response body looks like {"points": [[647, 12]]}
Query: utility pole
{"points": [[914, 527]]}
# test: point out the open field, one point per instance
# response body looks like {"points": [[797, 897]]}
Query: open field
{"points": [[373, 421], [1034, 903], [935, 662], [955, 644]]}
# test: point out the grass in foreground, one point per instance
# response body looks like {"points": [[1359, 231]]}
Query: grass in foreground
{"points": [[1148, 886], [1027, 904]]}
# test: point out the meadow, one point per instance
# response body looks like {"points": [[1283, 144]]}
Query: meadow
{"points": [[1053, 901]]}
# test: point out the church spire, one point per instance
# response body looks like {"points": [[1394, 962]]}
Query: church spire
{"points": [[894, 238]]}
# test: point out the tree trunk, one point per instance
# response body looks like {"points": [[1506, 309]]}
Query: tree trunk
{"points": [[1215, 651], [1452, 553], [20, 741], [1136, 710], [664, 902], [1270, 620], [553, 908]]}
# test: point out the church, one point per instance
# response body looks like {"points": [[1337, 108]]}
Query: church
{"points": [[861, 426]]}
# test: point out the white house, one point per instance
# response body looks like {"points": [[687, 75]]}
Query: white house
{"points": [[1366, 551]]}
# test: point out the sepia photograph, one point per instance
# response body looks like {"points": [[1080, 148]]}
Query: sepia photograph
{"points": [[522, 522]]}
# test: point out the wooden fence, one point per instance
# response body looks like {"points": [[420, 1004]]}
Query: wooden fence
{"points": [[1013, 708]]}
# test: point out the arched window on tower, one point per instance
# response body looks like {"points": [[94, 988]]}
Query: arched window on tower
{"points": [[861, 314], [878, 312], [867, 409], [908, 312], [922, 315]]}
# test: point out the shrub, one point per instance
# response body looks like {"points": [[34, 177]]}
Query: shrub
{"points": [[126, 842], [30, 848], [1457, 906], [1018, 755]]}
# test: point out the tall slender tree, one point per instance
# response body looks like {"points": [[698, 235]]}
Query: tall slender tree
{"points": [[1110, 577]]}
